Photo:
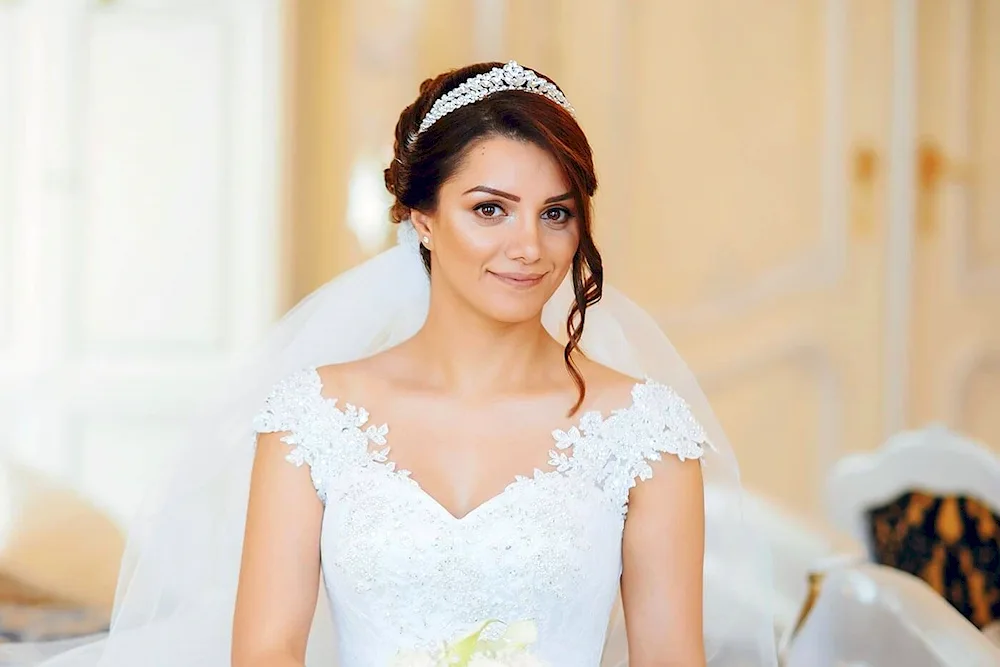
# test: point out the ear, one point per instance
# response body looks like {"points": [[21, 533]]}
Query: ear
{"points": [[422, 223]]}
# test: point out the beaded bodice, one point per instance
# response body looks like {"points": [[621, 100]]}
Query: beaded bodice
{"points": [[403, 572]]}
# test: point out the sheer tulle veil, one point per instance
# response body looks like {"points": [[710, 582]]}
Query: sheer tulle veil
{"points": [[176, 591]]}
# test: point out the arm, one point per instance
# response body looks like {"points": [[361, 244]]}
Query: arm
{"points": [[279, 575], [662, 567]]}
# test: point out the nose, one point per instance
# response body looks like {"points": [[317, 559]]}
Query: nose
{"points": [[524, 244]]}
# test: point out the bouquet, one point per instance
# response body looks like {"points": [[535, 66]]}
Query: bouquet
{"points": [[509, 650]]}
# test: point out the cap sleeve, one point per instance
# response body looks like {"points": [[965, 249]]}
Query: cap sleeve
{"points": [[658, 423], [295, 407], [290, 403], [330, 440], [665, 425], [619, 450]]}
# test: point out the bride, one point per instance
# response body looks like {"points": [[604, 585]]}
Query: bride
{"points": [[470, 427]]}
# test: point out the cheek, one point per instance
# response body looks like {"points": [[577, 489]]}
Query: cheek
{"points": [[468, 246], [562, 246], [477, 244]]}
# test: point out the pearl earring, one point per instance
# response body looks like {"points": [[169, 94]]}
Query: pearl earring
{"points": [[426, 240]]}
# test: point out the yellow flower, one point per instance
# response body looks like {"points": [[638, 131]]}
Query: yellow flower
{"points": [[507, 650], [516, 638]]}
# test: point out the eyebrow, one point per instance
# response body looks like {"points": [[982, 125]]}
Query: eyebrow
{"points": [[514, 198]]}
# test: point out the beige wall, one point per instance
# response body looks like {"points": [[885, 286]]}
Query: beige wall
{"points": [[745, 154]]}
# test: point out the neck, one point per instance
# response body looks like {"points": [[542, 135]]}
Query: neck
{"points": [[472, 354]]}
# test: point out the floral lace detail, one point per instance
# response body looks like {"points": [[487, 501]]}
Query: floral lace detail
{"points": [[614, 452], [402, 572], [326, 438]]}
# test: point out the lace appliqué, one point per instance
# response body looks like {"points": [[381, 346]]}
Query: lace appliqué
{"points": [[324, 437], [546, 548], [614, 453]]}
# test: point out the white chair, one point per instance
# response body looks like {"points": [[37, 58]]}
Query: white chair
{"points": [[934, 459], [875, 616], [934, 498]]}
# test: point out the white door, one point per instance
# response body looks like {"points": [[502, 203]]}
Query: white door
{"points": [[138, 225]]}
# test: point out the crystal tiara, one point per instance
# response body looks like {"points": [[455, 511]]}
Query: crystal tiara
{"points": [[509, 77]]}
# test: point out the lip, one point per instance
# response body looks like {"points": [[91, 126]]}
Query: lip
{"points": [[519, 280]]}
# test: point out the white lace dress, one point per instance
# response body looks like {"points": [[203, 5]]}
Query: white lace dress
{"points": [[402, 572]]}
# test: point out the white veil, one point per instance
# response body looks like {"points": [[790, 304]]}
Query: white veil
{"points": [[176, 591]]}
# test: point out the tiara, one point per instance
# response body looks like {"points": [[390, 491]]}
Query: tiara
{"points": [[509, 77]]}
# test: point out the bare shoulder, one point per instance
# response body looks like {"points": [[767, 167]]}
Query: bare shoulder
{"points": [[607, 389], [364, 379], [350, 382], [342, 379]]}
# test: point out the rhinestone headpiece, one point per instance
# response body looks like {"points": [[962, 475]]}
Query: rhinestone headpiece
{"points": [[509, 77]]}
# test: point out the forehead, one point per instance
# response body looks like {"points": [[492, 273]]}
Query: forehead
{"points": [[518, 167]]}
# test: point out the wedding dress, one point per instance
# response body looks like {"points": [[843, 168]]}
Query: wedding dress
{"points": [[403, 573], [399, 570]]}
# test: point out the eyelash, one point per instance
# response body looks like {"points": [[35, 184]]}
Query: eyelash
{"points": [[568, 214]]}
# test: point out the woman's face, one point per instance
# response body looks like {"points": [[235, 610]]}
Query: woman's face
{"points": [[505, 229]]}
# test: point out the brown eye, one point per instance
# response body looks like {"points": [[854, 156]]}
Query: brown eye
{"points": [[559, 215], [489, 210]]}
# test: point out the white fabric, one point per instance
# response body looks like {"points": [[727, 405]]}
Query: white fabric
{"points": [[177, 587], [403, 573], [875, 616]]}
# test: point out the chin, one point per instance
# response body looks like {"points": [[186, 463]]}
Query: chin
{"points": [[513, 313]]}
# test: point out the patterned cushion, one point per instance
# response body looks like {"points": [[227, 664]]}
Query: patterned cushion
{"points": [[951, 542]]}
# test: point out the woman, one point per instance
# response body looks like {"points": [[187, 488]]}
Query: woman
{"points": [[441, 460]]}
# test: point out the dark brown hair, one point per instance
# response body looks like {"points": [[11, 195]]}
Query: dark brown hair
{"points": [[418, 170]]}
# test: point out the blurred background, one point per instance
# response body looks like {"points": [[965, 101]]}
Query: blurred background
{"points": [[805, 193]]}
